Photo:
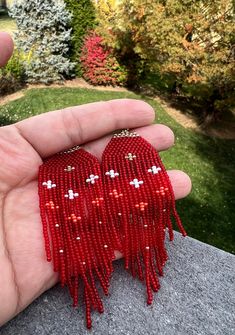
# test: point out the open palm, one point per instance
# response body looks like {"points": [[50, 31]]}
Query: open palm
{"points": [[25, 273]]}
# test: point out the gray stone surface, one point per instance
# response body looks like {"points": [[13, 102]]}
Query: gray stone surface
{"points": [[197, 296]]}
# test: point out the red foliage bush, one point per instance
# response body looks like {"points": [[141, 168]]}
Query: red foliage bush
{"points": [[99, 65]]}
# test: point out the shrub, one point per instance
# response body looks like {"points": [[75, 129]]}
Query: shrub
{"points": [[15, 65], [107, 13], [12, 77], [99, 65], [83, 20], [43, 36]]}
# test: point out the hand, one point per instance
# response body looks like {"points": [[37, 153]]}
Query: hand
{"points": [[25, 273]]}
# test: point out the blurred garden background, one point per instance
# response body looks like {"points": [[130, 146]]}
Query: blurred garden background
{"points": [[178, 55]]}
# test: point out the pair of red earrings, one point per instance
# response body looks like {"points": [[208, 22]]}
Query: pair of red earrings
{"points": [[89, 210]]}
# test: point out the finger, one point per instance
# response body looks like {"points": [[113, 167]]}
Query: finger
{"points": [[181, 184], [159, 135], [6, 48], [59, 130]]}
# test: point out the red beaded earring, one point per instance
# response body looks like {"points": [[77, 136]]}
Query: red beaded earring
{"points": [[139, 200], [75, 225]]}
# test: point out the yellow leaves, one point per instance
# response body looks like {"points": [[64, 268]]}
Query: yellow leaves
{"points": [[106, 5], [140, 13], [173, 68], [194, 78], [188, 28], [28, 57]]}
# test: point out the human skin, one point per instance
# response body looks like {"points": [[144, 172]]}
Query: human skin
{"points": [[25, 273]]}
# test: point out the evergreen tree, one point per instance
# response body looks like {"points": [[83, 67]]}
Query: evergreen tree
{"points": [[83, 20], [43, 36]]}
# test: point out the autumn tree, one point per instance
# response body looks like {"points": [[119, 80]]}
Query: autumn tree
{"points": [[189, 41]]}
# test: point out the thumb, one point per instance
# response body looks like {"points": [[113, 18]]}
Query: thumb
{"points": [[6, 48]]}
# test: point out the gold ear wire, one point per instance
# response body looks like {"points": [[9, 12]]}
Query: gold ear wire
{"points": [[126, 133], [75, 148]]}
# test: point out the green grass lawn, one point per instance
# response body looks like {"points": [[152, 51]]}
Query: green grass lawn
{"points": [[208, 213], [7, 24]]}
